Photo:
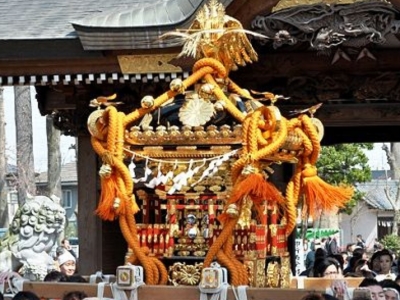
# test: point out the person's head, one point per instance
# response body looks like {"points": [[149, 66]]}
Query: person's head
{"points": [[327, 268], [339, 259], [360, 253], [74, 295], [374, 264], [320, 253], [313, 296], [67, 263], [352, 262], [316, 244], [350, 247], [55, 276], [65, 243], [361, 269], [391, 293], [397, 280], [391, 289], [375, 288], [329, 297], [25, 295], [359, 237], [385, 261]]}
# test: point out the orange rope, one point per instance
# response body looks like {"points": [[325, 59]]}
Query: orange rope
{"points": [[264, 133], [229, 106], [225, 234]]}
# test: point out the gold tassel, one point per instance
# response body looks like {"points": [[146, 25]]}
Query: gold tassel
{"points": [[105, 210], [257, 188], [321, 196]]}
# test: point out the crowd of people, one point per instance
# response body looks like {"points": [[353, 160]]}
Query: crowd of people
{"points": [[64, 271], [380, 267]]}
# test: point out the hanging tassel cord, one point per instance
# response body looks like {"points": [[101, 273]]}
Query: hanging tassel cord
{"points": [[217, 245], [227, 250], [320, 196]]}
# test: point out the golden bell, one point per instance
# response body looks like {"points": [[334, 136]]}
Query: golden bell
{"points": [[176, 85], [147, 101]]}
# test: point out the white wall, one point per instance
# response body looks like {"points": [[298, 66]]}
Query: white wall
{"points": [[362, 221]]}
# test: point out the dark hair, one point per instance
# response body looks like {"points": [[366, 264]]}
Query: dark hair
{"points": [[388, 283], [329, 297], [322, 265], [74, 295], [375, 255], [386, 252], [55, 276], [1, 296], [359, 252], [320, 253], [76, 278], [349, 245], [25, 295], [368, 282], [313, 296], [362, 273], [339, 258]]}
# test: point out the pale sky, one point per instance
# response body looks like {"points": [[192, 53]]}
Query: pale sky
{"points": [[39, 134], [377, 158]]}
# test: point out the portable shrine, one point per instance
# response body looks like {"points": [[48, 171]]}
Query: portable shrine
{"points": [[206, 193], [66, 58]]}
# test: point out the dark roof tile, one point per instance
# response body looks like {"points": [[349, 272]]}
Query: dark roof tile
{"points": [[375, 193], [68, 174], [52, 19]]}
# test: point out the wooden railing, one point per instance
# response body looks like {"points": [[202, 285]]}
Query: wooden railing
{"points": [[299, 288]]}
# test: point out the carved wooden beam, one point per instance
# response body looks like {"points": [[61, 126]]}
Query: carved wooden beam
{"points": [[355, 115], [272, 64], [246, 11]]}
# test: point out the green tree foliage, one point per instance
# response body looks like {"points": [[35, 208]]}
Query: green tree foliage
{"points": [[345, 164], [391, 242]]}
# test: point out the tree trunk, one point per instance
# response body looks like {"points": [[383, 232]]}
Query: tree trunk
{"points": [[23, 125], [54, 159], [393, 159], [3, 166], [395, 166]]}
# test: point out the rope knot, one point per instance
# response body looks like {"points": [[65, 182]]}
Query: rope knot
{"points": [[105, 171], [309, 170], [249, 169], [107, 158]]}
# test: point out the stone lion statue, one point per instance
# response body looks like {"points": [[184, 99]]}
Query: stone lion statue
{"points": [[26, 246]]}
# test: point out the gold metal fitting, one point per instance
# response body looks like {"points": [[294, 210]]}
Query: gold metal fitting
{"points": [[232, 211], [249, 169], [105, 171], [176, 85], [117, 203], [147, 102]]}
